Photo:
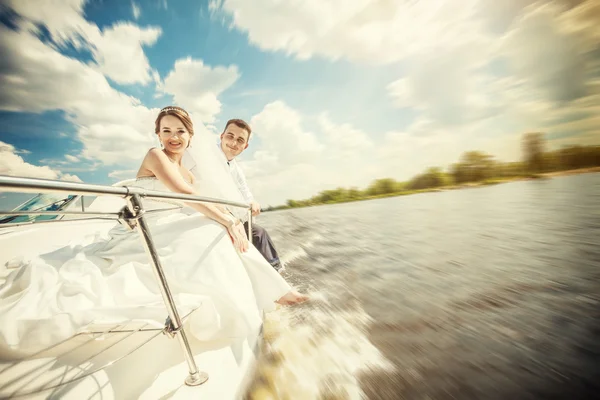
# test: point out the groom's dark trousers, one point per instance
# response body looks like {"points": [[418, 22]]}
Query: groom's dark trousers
{"points": [[263, 243]]}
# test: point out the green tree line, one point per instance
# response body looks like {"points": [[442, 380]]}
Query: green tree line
{"points": [[473, 168]]}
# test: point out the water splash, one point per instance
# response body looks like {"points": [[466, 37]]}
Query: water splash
{"points": [[299, 252], [315, 354]]}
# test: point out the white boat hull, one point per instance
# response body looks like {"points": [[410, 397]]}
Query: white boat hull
{"points": [[157, 370]]}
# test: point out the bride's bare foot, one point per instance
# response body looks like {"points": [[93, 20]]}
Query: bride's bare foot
{"points": [[292, 297]]}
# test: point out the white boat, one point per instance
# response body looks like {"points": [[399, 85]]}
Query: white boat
{"points": [[129, 361]]}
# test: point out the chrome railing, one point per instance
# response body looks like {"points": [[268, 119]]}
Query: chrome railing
{"points": [[133, 216]]}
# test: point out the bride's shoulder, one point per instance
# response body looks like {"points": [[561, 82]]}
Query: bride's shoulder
{"points": [[154, 153], [153, 157], [154, 150]]}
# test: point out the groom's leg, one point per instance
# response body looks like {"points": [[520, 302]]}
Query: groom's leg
{"points": [[263, 243]]}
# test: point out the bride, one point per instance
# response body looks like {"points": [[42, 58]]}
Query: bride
{"points": [[209, 264]]}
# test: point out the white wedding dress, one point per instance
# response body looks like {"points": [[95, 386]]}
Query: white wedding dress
{"points": [[55, 295]]}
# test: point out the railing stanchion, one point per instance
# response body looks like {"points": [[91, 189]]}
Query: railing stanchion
{"points": [[135, 207], [250, 225]]}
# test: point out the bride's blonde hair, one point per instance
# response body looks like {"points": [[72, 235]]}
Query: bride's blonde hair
{"points": [[178, 112]]}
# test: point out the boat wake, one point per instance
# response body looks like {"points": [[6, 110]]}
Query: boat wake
{"points": [[298, 253], [315, 354]]}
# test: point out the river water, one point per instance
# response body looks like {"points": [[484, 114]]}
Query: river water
{"points": [[481, 293]]}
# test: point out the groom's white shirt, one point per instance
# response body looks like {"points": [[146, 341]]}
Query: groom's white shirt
{"points": [[238, 177]]}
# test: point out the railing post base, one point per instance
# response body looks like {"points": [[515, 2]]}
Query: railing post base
{"points": [[134, 217], [196, 379]]}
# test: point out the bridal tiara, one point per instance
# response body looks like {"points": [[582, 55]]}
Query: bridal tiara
{"points": [[170, 108]]}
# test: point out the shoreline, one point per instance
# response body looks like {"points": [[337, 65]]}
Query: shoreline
{"points": [[532, 177], [487, 182]]}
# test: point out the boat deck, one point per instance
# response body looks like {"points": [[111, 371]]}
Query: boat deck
{"points": [[132, 359]]}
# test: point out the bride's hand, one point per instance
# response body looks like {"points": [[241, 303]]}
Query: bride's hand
{"points": [[238, 236]]}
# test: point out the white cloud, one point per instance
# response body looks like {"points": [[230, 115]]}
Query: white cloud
{"points": [[400, 92], [117, 50], [116, 143], [497, 16], [463, 105], [135, 10], [344, 138], [196, 86], [406, 154], [23, 151], [69, 177], [518, 108], [551, 49], [446, 91], [280, 130], [550, 58], [447, 52], [123, 174], [33, 78], [114, 128], [283, 182], [495, 106], [583, 21], [369, 31], [120, 55], [63, 18], [294, 162], [7, 148], [14, 165], [577, 124], [71, 158]]}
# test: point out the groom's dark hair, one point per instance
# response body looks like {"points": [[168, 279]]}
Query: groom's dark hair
{"points": [[240, 123]]}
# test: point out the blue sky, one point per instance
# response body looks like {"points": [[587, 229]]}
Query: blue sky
{"points": [[338, 93]]}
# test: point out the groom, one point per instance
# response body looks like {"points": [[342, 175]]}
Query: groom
{"points": [[234, 140]]}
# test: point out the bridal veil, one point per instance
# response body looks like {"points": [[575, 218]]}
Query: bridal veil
{"points": [[206, 161]]}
